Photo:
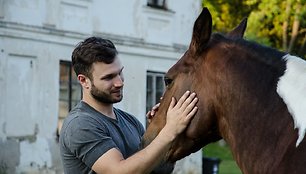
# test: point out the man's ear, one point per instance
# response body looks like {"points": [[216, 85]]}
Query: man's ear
{"points": [[84, 81]]}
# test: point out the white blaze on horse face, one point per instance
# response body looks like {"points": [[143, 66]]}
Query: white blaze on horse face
{"points": [[292, 89]]}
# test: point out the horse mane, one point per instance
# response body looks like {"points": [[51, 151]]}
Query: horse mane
{"points": [[264, 54], [251, 65]]}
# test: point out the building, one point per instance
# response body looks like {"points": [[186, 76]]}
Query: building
{"points": [[39, 87]]}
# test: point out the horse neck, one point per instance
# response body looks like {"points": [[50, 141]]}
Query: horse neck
{"points": [[254, 135], [253, 119]]}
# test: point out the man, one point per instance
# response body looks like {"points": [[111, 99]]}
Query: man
{"points": [[98, 138]]}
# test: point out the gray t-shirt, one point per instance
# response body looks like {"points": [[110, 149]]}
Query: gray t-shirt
{"points": [[87, 134]]}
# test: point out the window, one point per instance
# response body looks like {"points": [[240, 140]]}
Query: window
{"points": [[161, 4], [155, 89], [69, 91]]}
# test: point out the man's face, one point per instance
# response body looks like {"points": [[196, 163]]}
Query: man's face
{"points": [[107, 82]]}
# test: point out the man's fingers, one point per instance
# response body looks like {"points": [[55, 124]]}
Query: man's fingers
{"points": [[188, 101], [172, 103], [191, 114], [189, 106], [183, 99], [154, 109], [180, 113]]}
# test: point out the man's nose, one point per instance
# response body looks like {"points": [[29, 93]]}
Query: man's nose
{"points": [[118, 81]]}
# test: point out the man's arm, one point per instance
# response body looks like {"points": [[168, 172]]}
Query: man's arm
{"points": [[144, 161]]}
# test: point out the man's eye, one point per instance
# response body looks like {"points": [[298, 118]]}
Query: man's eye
{"points": [[109, 77], [168, 81]]}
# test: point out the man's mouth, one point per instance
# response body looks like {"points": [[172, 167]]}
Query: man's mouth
{"points": [[117, 92]]}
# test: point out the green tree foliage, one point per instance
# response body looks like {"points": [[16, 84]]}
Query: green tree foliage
{"points": [[277, 23], [227, 14]]}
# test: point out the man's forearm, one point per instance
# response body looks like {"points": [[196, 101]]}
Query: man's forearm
{"points": [[150, 157]]}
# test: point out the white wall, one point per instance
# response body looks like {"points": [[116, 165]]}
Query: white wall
{"points": [[36, 34]]}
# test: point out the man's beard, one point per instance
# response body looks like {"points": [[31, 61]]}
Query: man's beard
{"points": [[102, 96]]}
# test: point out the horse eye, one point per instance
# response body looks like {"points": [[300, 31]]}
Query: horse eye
{"points": [[168, 81]]}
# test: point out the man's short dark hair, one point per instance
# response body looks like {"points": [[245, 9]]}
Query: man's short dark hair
{"points": [[91, 50]]}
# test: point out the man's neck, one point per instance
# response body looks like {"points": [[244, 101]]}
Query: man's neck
{"points": [[104, 108]]}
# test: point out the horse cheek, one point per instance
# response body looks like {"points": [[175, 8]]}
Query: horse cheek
{"points": [[157, 123], [202, 121], [149, 135], [194, 129]]}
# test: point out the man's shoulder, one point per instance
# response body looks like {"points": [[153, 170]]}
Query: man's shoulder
{"points": [[125, 114], [76, 114], [130, 118], [80, 116], [121, 112]]}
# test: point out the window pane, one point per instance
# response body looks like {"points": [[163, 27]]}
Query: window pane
{"points": [[69, 92], [157, 3], [64, 73], [63, 109], [160, 3], [149, 93], [159, 88], [76, 94]]}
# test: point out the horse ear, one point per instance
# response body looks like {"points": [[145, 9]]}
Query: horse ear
{"points": [[201, 32], [238, 32]]}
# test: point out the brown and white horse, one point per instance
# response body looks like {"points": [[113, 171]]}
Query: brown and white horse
{"points": [[252, 96]]}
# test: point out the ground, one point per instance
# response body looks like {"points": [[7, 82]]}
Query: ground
{"points": [[222, 151]]}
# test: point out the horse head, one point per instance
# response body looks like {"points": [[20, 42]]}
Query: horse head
{"points": [[192, 73]]}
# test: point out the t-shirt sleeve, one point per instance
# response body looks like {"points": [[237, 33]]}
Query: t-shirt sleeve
{"points": [[89, 141], [141, 128]]}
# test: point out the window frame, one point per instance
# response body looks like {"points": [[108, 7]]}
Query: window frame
{"points": [[151, 89]]}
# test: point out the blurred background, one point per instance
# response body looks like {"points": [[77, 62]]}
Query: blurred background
{"points": [[39, 86]]}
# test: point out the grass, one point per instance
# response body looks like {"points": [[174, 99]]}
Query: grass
{"points": [[227, 164]]}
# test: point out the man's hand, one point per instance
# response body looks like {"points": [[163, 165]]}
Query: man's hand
{"points": [[151, 113], [180, 114]]}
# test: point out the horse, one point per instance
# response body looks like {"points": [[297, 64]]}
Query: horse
{"points": [[252, 96]]}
